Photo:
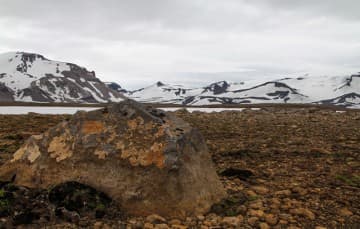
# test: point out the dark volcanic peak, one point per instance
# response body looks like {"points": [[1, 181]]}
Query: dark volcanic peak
{"points": [[116, 87], [218, 87], [30, 57], [160, 84]]}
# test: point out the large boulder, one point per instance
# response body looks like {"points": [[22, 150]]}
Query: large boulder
{"points": [[146, 160]]}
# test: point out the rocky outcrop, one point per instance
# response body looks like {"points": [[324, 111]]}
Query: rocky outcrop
{"points": [[146, 160], [6, 94], [116, 87]]}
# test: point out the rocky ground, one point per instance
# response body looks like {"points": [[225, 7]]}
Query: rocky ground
{"points": [[282, 168]]}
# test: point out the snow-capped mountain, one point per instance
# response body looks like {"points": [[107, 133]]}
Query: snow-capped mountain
{"points": [[162, 93], [33, 78], [218, 93], [340, 90]]}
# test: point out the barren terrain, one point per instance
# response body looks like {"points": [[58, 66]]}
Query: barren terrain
{"points": [[282, 167]]}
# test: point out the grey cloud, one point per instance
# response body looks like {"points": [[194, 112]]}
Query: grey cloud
{"points": [[345, 9], [136, 42]]}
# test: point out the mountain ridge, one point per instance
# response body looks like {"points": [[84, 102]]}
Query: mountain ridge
{"points": [[340, 90]]}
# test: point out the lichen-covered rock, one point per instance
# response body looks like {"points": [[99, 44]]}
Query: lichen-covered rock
{"points": [[146, 160]]}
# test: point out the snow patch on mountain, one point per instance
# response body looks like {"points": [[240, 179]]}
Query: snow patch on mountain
{"points": [[162, 93]]}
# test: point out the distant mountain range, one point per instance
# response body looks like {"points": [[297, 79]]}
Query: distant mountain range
{"points": [[340, 90], [31, 77]]}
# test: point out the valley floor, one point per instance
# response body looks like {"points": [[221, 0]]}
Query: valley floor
{"points": [[282, 167]]}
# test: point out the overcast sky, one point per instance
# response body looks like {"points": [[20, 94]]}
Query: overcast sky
{"points": [[138, 42]]}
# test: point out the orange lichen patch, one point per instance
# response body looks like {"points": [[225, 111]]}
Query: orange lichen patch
{"points": [[120, 145], [160, 132], [59, 149], [134, 161], [135, 123], [30, 151], [92, 127], [101, 154], [156, 155], [127, 153], [145, 157], [144, 147], [111, 135], [149, 125]]}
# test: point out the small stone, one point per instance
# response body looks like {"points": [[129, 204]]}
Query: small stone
{"points": [[253, 220], [138, 225], [175, 222], [98, 225], [148, 226], [231, 221], [256, 213], [241, 218], [251, 193], [178, 226], [155, 219], [283, 193], [256, 205], [304, 212], [207, 223], [260, 190], [293, 227], [200, 217], [212, 220], [241, 209], [70, 216], [271, 219], [283, 222], [264, 226], [287, 204], [300, 191], [105, 226], [345, 212], [320, 227], [276, 201], [284, 216], [161, 226]]}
